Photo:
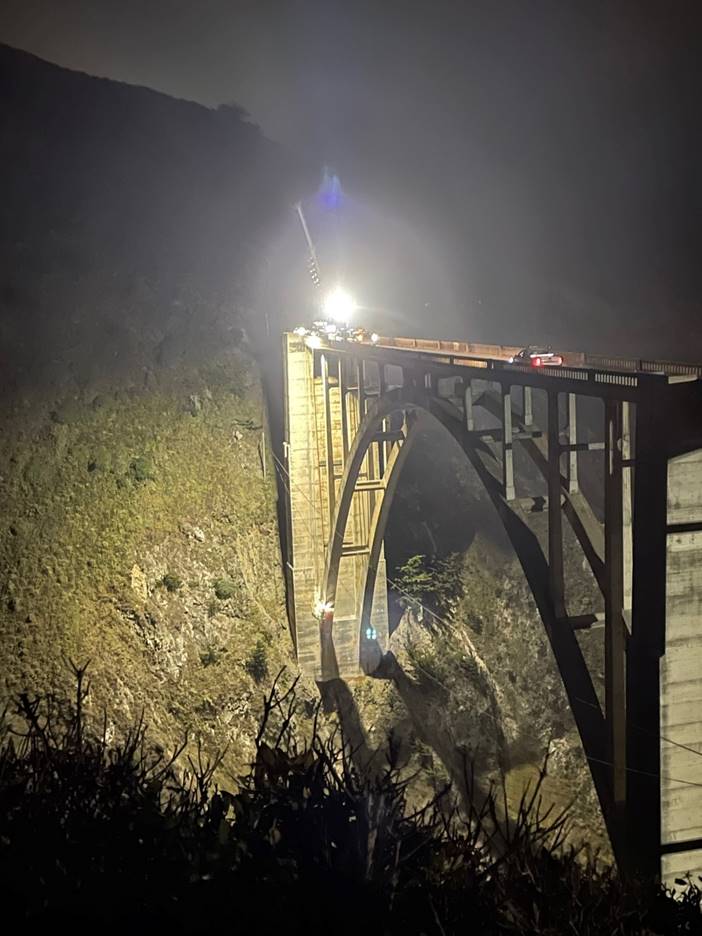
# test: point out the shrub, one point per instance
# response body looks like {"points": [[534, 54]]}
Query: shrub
{"points": [[435, 583], [171, 582], [224, 588], [141, 469], [210, 656], [119, 837], [257, 664]]}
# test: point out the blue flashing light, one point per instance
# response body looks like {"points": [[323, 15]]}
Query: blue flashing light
{"points": [[330, 194]]}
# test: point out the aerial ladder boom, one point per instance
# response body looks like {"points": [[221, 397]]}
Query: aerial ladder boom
{"points": [[312, 262]]}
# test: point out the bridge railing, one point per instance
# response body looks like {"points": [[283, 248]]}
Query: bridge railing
{"points": [[452, 347], [671, 368], [585, 373], [484, 355]]}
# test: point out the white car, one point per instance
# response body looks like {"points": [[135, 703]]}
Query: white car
{"points": [[537, 357]]}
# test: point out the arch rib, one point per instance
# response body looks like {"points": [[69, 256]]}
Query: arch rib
{"points": [[372, 422], [381, 514]]}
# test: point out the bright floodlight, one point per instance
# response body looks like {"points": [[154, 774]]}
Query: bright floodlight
{"points": [[322, 607], [338, 306]]}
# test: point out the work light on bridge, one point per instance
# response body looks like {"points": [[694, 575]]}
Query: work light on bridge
{"points": [[338, 306], [323, 608], [313, 341]]}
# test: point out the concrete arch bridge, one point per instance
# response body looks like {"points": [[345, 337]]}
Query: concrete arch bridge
{"points": [[353, 411]]}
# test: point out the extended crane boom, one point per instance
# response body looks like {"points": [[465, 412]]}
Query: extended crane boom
{"points": [[312, 262], [336, 309]]}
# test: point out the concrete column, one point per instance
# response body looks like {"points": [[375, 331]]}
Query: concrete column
{"points": [[325, 649], [468, 405], [307, 495], [615, 647], [627, 511], [361, 384], [507, 451], [647, 642], [370, 461], [328, 438], [572, 440], [382, 452], [555, 523], [527, 409], [344, 413]]}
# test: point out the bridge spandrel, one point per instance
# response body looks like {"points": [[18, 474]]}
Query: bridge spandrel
{"points": [[317, 448], [681, 673], [304, 502]]}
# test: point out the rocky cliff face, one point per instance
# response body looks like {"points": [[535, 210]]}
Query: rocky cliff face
{"points": [[486, 680], [138, 504], [139, 533]]}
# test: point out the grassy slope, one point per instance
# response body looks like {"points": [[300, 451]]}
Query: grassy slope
{"points": [[132, 228], [105, 498]]}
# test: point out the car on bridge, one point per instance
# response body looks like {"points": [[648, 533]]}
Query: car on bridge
{"points": [[537, 357]]}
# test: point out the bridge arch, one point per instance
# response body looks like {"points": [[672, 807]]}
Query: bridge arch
{"points": [[419, 413], [415, 418], [430, 411], [422, 411]]}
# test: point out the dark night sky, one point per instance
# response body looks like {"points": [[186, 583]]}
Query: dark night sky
{"points": [[314, 69], [544, 153]]}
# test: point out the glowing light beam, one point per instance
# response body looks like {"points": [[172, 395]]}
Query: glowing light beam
{"points": [[338, 306]]}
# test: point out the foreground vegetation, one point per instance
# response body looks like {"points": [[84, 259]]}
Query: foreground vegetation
{"points": [[121, 835]]}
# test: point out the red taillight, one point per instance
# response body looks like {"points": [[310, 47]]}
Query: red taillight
{"points": [[536, 362]]}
